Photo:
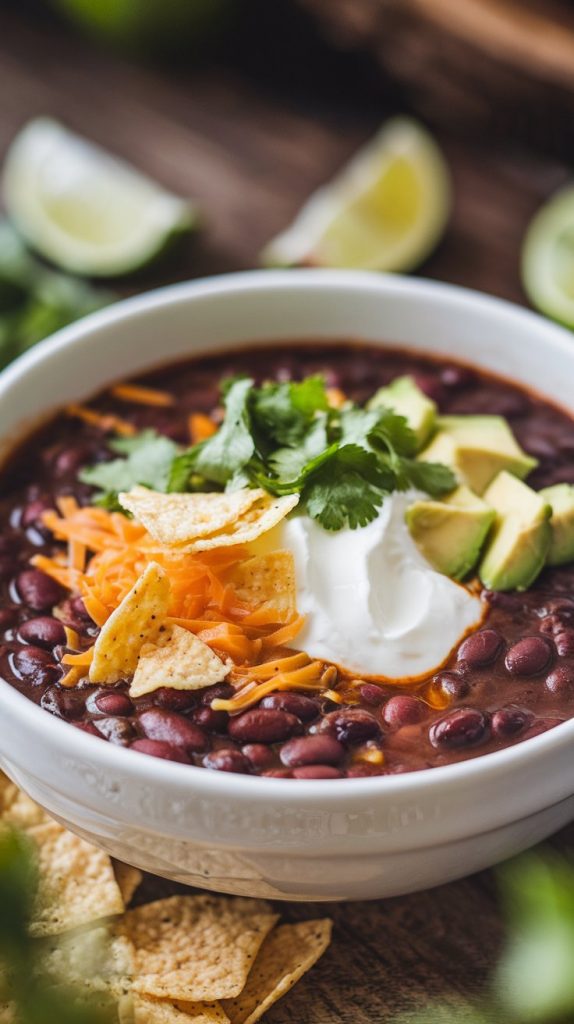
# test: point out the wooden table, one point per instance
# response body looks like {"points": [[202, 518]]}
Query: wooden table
{"points": [[249, 136]]}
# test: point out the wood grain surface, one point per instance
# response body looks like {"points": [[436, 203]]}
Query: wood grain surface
{"points": [[248, 135]]}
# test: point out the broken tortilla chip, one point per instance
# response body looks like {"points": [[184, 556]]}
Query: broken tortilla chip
{"points": [[94, 959], [180, 660], [155, 1011], [24, 813], [77, 882], [175, 519], [263, 515], [128, 878], [267, 583], [137, 620], [196, 948], [285, 956]]}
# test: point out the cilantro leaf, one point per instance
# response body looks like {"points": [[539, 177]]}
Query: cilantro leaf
{"points": [[393, 433], [347, 489], [431, 477], [357, 425], [222, 456], [284, 412], [289, 463], [148, 461]]}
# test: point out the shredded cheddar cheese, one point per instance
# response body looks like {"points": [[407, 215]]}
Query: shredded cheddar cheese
{"points": [[105, 421], [142, 396]]}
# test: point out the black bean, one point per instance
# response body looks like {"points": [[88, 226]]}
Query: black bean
{"points": [[373, 694], [404, 710], [35, 665], [116, 730], [560, 682], [529, 656], [219, 691], [481, 648], [565, 643], [463, 727], [67, 704], [312, 750], [259, 756], [157, 748], [112, 703], [350, 725], [297, 704], [44, 631], [174, 700], [508, 722], [317, 771], [226, 759], [263, 725], [169, 727], [450, 686], [207, 718], [38, 591]]}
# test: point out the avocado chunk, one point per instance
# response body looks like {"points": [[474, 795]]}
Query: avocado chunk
{"points": [[404, 397], [477, 448], [450, 533], [560, 497], [520, 538]]}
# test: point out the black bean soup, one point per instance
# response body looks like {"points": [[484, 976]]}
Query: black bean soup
{"points": [[511, 680]]}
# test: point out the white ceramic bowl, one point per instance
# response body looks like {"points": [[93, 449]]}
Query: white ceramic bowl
{"points": [[352, 839]]}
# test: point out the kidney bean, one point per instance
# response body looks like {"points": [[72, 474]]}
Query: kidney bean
{"points": [[450, 686], [551, 624], [373, 694], [295, 703], [79, 609], [226, 759], [529, 656], [43, 631], [32, 514], [263, 725], [350, 725], [259, 756], [169, 727], [560, 682], [157, 748], [35, 665], [219, 691], [317, 771], [311, 750], [563, 606], [67, 704], [278, 773], [509, 721], [461, 728], [38, 591], [116, 730], [115, 704], [404, 710], [364, 769], [174, 700], [565, 643], [481, 648], [207, 718]]}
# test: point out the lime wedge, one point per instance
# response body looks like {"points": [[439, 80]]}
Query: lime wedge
{"points": [[82, 208], [548, 258], [385, 210]]}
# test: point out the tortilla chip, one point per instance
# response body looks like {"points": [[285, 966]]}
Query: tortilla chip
{"points": [[285, 956], [267, 582], [77, 882], [128, 878], [180, 660], [24, 813], [196, 948], [175, 519], [137, 620], [155, 1011], [263, 515]]}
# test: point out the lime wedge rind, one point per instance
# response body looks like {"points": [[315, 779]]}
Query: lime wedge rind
{"points": [[331, 209], [82, 208], [547, 262]]}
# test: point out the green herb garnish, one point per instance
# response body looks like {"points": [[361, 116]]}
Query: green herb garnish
{"points": [[148, 458]]}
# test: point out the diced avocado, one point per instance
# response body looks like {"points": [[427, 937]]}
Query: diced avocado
{"points": [[477, 448], [520, 538], [406, 398], [560, 497], [450, 533]]}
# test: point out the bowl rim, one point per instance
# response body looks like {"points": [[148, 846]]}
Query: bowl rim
{"points": [[76, 743]]}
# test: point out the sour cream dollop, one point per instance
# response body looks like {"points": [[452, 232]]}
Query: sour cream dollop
{"points": [[372, 602]]}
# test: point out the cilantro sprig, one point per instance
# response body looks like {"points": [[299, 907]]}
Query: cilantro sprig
{"points": [[285, 438]]}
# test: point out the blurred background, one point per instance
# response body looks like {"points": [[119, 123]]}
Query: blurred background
{"points": [[247, 106]]}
